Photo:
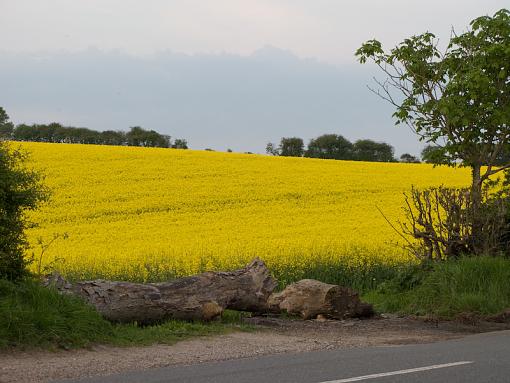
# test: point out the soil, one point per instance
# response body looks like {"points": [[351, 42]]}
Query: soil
{"points": [[271, 336]]}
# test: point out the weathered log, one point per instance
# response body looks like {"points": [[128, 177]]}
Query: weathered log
{"points": [[310, 298], [203, 296]]}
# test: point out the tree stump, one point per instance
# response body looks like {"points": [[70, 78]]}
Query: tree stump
{"points": [[310, 298]]}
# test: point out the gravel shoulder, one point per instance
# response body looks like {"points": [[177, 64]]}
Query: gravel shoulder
{"points": [[271, 336]]}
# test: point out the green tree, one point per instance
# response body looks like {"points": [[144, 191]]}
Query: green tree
{"points": [[111, 137], [180, 143], [409, 158], [291, 147], [457, 98], [21, 190], [272, 150], [141, 137], [331, 146], [368, 150], [6, 127], [24, 132], [433, 154]]}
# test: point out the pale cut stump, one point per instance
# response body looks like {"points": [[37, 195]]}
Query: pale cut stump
{"points": [[202, 297], [309, 298]]}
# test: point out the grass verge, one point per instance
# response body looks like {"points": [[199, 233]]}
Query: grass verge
{"points": [[476, 285], [35, 317]]}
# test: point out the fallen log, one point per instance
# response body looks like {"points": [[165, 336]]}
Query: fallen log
{"points": [[310, 298], [202, 297]]}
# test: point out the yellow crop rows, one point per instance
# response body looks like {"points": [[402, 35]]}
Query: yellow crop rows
{"points": [[147, 214]]}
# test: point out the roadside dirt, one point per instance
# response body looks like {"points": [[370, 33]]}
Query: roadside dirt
{"points": [[272, 336]]}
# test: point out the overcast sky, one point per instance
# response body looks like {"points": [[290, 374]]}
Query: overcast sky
{"points": [[234, 93]]}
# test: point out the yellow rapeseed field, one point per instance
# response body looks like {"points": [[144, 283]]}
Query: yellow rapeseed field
{"points": [[149, 214]]}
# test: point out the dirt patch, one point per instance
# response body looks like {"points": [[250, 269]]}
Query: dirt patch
{"points": [[272, 336]]}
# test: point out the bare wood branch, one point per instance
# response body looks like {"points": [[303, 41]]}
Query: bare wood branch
{"points": [[393, 226]]}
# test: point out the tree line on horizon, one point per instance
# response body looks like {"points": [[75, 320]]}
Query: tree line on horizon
{"points": [[326, 146], [58, 133], [337, 147]]}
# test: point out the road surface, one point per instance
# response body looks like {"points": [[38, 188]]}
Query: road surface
{"points": [[476, 358]]}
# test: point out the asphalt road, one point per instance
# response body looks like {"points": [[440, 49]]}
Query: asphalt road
{"points": [[477, 358]]}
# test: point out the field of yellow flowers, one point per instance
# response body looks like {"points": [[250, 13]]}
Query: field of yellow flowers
{"points": [[150, 214]]}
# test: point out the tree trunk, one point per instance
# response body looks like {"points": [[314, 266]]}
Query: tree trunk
{"points": [[476, 198], [203, 296], [476, 184], [310, 298]]}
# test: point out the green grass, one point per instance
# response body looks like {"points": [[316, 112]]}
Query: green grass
{"points": [[173, 331], [33, 316], [478, 285], [364, 276]]}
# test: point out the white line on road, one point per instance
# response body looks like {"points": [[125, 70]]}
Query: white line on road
{"points": [[400, 372]]}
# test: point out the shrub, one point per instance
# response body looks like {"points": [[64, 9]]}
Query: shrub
{"points": [[447, 223], [21, 189]]}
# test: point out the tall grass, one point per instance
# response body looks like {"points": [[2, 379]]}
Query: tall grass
{"points": [[362, 277], [477, 285], [31, 315]]}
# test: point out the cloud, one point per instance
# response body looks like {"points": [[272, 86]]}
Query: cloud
{"points": [[327, 29]]}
